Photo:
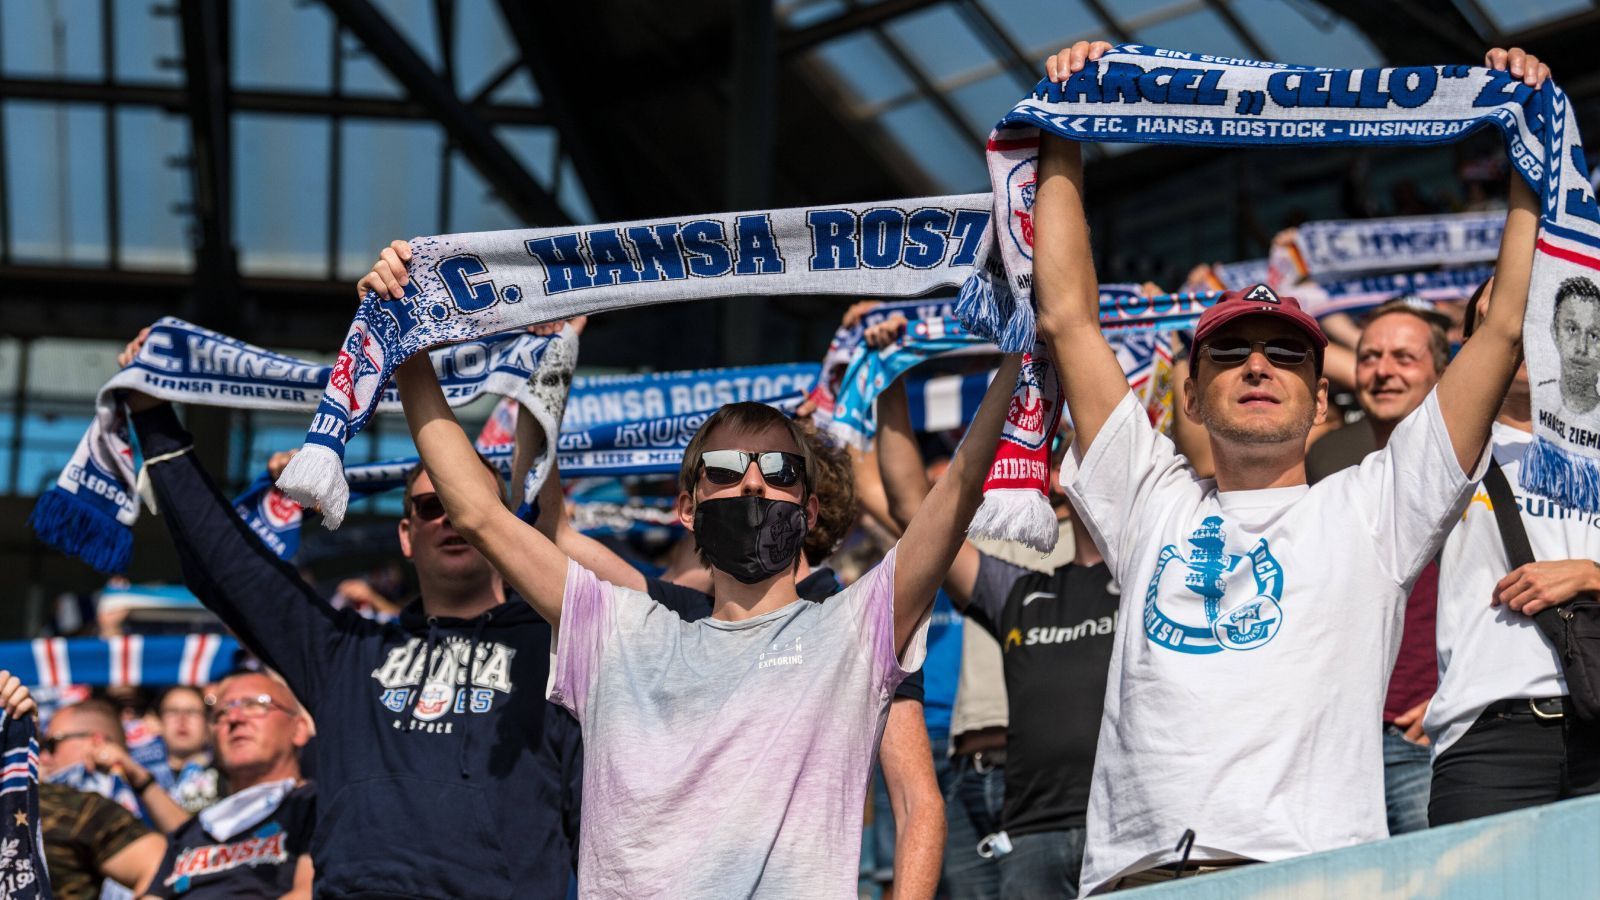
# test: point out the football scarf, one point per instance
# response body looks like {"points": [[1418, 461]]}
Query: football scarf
{"points": [[22, 868], [91, 509], [1144, 94]]}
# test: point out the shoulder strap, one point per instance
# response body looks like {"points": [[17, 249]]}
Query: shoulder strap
{"points": [[1515, 539]]}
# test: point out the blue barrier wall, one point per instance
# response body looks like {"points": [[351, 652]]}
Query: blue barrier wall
{"points": [[1550, 853]]}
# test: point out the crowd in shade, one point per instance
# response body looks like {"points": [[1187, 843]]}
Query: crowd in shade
{"points": [[1284, 612]]}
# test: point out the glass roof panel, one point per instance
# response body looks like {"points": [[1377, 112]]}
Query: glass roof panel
{"points": [[1037, 23], [55, 157], [144, 37], [363, 74], [60, 39], [388, 187], [519, 88], [572, 197], [953, 160], [1511, 16], [282, 45], [482, 45], [1306, 34], [801, 13], [473, 205], [152, 228], [865, 68], [1201, 31], [415, 21], [280, 185], [535, 148], [940, 42], [983, 102]]}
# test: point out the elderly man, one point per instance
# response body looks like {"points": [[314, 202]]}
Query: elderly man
{"points": [[1400, 355], [255, 842], [1261, 616]]}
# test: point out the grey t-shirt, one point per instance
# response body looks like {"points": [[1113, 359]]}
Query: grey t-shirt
{"points": [[726, 759]]}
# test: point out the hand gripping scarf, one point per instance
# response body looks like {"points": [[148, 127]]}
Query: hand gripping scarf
{"points": [[1145, 94], [90, 511]]}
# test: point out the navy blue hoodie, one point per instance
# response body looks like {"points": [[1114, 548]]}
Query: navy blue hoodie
{"points": [[463, 783]]}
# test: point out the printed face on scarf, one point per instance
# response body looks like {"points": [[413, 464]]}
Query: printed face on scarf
{"points": [[1577, 332], [251, 735], [432, 544], [1394, 366], [1255, 402], [753, 484]]}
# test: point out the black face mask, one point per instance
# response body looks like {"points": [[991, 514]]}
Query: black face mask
{"points": [[750, 538]]}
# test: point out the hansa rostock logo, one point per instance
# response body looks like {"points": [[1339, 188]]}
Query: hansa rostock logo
{"points": [[1022, 184], [1029, 415], [356, 372]]}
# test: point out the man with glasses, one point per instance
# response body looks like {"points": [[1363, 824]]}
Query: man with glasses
{"points": [[728, 756], [191, 776], [255, 842], [442, 766], [1261, 616], [86, 748]]}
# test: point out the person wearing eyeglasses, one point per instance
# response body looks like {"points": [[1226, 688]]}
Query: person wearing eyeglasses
{"points": [[728, 756], [443, 769], [86, 748], [192, 778], [256, 841], [1261, 616]]}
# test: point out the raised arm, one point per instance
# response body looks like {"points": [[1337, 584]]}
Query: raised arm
{"points": [[523, 555], [1066, 291], [1473, 386], [935, 534], [593, 555], [905, 483]]}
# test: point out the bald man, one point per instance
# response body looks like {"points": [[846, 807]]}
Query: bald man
{"points": [[85, 745], [255, 841]]}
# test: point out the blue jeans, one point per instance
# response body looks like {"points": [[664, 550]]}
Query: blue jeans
{"points": [[1407, 773], [1043, 865], [972, 801]]}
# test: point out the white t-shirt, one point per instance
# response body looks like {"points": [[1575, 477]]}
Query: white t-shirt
{"points": [[1254, 643], [1488, 653]]}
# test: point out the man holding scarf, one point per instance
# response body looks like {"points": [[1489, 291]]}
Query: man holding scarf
{"points": [[1256, 637], [728, 756], [441, 768]]}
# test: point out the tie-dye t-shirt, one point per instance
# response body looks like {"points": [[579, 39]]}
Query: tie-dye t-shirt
{"points": [[726, 759]]}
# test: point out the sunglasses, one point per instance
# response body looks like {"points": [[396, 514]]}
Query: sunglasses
{"points": [[1285, 353], [779, 468], [51, 742], [427, 507]]}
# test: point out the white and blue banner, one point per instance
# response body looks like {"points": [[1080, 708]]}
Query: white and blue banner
{"points": [[1147, 94], [1343, 247], [129, 660], [93, 505], [470, 286], [613, 399]]}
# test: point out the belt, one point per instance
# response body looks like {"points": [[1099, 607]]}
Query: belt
{"points": [[1538, 707], [983, 761]]}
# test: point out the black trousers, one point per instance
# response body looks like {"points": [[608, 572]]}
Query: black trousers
{"points": [[1514, 760]]}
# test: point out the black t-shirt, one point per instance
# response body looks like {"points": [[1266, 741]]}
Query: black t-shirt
{"points": [[691, 605], [1056, 632], [259, 862]]}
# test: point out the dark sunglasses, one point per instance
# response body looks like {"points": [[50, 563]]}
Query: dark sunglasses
{"points": [[427, 507], [50, 743], [1285, 353], [779, 468]]}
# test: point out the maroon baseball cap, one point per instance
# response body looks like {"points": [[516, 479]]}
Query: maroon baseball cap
{"points": [[1259, 300]]}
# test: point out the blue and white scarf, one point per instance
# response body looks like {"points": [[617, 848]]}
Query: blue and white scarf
{"points": [[22, 867], [470, 286], [128, 660], [1145, 94], [91, 509]]}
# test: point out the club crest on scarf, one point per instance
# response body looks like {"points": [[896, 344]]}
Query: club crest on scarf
{"points": [[1030, 410], [1022, 186], [1215, 624], [356, 372]]}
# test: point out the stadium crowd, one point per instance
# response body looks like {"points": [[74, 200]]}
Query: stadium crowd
{"points": [[825, 684]]}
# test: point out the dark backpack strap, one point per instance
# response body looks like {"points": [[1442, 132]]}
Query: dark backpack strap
{"points": [[1515, 539]]}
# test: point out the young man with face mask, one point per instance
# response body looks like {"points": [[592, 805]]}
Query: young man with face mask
{"points": [[1260, 616], [728, 756]]}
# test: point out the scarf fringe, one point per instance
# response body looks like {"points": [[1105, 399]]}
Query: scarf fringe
{"points": [[79, 530], [315, 479], [1551, 471], [1016, 514]]}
